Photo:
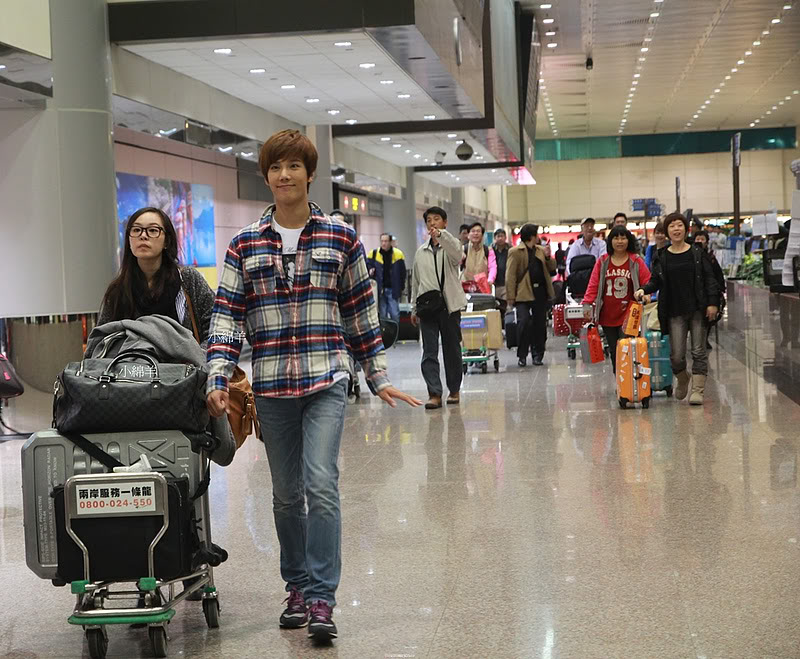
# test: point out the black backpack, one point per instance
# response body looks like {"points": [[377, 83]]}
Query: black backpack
{"points": [[580, 272]]}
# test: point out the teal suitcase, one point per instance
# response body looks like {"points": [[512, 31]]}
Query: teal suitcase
{"points": [[661, 368]]}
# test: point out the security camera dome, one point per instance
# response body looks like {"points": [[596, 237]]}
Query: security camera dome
{"points": [[464, 151]]}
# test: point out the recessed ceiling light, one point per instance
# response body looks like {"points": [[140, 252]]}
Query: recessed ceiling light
{"points": [[747, 53], [367, 65], [774, 107], [258, 70], [430, 116], [782, 102], [765, 32], [343, 44], [769, 111], [647, 39], [396, 145], [788, 98], [387, 82], [334, 112], [386, 139], [552, 45], [2, 66], [642, 59], [404, 96], [756, 43], [796, 91], [741, 61], [775, 21], [757, 121], [493, 171], [716, 91], [637, 75], [752, 123], [351, 121], [734, 70], [550, 33], [426, 160], [727, 77], [695, 116], [312, 100], [645, 49], [547, 6], [452, 135], [548, 21], [689, 124], [287, 86], [635, 82], [416, 155], [787, 6], [655, 14], [222, 51]]}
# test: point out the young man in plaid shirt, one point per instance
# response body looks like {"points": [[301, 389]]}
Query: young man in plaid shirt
{"points": [[296, 282]]}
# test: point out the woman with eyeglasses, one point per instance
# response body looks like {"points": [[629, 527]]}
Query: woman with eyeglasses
{"points": [[150, 281]]}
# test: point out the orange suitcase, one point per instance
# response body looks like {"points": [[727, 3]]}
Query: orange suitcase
{"points": [[633, 372]]}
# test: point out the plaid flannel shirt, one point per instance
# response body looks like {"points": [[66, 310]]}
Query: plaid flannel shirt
{"points": [[301, 337]]}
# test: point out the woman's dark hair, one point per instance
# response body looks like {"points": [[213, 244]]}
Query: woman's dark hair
{"points": [[676, 217], [477, 224], [660, 228], [620, 230], [121, 293]]}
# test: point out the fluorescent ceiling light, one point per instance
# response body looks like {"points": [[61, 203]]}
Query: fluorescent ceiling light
{"points": [[351, 121], [551, 33], [367, 65], [727, 77], [416, 155], [695, 116], [552, 45], [716, 91], [452, 135], [163, 132], [343, 44], [769, 111], [225, 149], [734, 70], [408, 150], [756, 43], [547, 6], [647, 39], [258, 70], [430, 116], [765, 32], [397, 146], [752, 123], [387, 82], [222, 51], [741, 61], [2, 66], [642, 59], [312, 100], [645, 49], [287, 86], [404, 96], [247, 154], [747, 53], [655, 14], [637, 75], [775, 21], [548, 21], [386, 139], [787, 6], [334, 112]]}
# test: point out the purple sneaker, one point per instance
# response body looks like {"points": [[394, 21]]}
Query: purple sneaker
{"points": [[320, 626], [296, 613]]}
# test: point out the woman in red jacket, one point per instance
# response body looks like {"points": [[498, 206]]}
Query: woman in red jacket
{"points": [[617, 275]]}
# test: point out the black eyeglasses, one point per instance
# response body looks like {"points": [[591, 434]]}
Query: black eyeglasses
{"points": [[152, 232]]}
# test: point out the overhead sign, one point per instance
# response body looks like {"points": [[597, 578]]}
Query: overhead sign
{"points": [[736, 149], [352, 203], [641, 204]]}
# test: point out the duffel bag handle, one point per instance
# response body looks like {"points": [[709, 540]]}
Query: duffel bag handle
{"points": [[130, 354]]}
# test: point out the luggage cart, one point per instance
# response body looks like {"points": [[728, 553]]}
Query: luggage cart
{"points": [[133, 495], [576, 315], [475, 343]]}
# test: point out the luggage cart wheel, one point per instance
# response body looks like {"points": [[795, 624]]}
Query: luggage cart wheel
{"points": [[211, 612], [464, 368], [571, 353], [484, 368], [645, 403], [98, 643], [496, 365], [623, 403], [158, 640], [669, 392]]}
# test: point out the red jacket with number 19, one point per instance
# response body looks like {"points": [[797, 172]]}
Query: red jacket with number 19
{"points": [[611, 305]]}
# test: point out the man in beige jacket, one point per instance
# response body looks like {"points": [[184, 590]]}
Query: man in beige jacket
{"points": [[436, 266], [529, 289]]}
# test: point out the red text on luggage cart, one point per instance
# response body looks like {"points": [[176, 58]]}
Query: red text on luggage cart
{"points": [[109, 498]]}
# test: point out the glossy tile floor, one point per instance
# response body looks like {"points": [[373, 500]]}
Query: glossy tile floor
{"points": [[537, 520]]}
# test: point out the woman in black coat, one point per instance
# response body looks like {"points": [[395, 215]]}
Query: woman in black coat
{"points": [[687, 301]]}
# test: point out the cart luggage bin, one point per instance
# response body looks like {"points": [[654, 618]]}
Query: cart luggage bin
{"points": [[481, 338]]}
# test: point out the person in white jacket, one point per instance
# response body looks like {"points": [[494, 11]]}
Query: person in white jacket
{"points": [[436, 270]]}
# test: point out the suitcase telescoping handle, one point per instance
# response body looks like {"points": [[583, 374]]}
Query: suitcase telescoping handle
{"points": [[131, 354]]}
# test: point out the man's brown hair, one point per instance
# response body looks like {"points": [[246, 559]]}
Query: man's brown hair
{"points": [[288, 144]]}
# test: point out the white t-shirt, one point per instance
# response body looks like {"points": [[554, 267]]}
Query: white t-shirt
{"points": [[290, 238]]}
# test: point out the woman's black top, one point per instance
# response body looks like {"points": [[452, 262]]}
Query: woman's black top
{"points": [[680, 278], [163, 305]]}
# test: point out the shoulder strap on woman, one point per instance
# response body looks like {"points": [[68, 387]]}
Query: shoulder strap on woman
{"points": [[190, 307]]}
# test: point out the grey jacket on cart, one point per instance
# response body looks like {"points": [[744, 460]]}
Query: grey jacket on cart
{"points": [[170, 342]]}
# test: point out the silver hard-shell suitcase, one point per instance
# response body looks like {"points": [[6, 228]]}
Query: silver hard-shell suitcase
{"points": [[49, 459]]}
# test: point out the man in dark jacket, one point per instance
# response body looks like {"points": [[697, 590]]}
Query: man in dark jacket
{"points": [[500, 248], [387, 266]]}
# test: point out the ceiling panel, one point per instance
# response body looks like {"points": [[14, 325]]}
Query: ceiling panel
{"points": [[316, 67], [692, 45]]}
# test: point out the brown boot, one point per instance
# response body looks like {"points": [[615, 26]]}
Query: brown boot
{"points": [[434, 403], [698, 389], [683, 385], [454, 398]]}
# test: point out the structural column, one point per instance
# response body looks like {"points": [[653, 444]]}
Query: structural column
{"points": [[401, 219], [321, 191]]}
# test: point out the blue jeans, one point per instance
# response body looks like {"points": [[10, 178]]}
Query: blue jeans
{"points": [[388, 307], [302, 437]]}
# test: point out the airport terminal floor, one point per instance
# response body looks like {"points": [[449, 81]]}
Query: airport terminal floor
{"points": [[536, 519]]}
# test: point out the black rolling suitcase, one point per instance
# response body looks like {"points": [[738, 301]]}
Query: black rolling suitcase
{"points": [[512, 330]]}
